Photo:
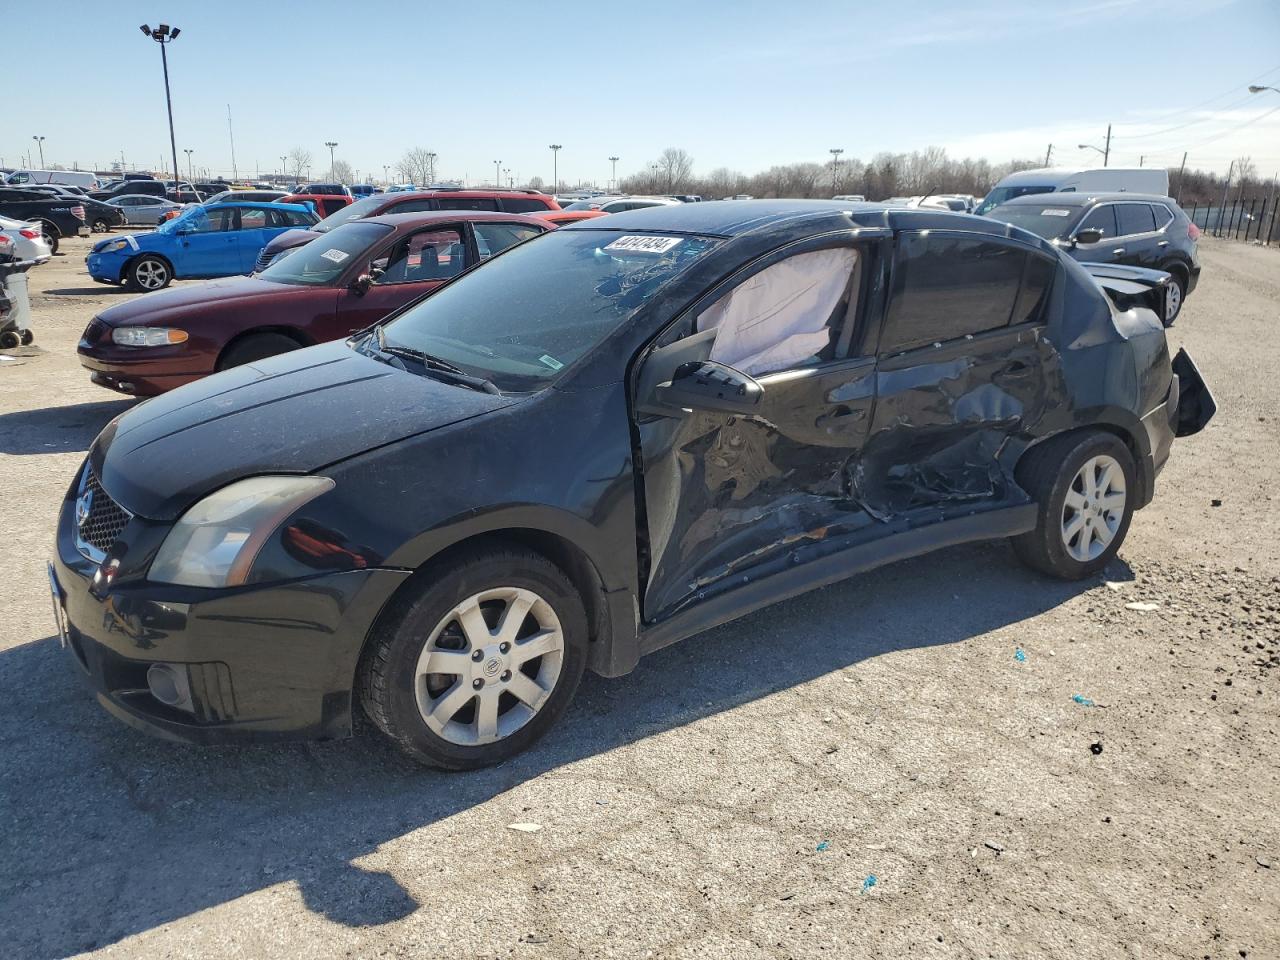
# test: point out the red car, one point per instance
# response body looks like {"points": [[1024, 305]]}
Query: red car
{"points": [[348, 278], [323, 203]]}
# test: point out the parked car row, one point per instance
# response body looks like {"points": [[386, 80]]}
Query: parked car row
{"points": [[525, 452]]}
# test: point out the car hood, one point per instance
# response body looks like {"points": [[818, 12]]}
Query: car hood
{"points": [[136, 241], [290, 239], [294, 413], [209, 295]]}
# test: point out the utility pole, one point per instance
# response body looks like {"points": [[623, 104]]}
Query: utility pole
{"points": [[1106, 153], [1181, 170], [835, 159], [614, 161], [555, 168], [165, 35], [1141, 158], [40, 143], [1225, 187], [331, 144], [231, 134], [1047, 154]]}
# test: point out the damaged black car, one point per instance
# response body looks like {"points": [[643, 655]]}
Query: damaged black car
{"points": [[598, 443]]}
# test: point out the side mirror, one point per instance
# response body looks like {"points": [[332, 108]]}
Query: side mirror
{"points": [[362, 283], [708, 385], [1092, 235]]}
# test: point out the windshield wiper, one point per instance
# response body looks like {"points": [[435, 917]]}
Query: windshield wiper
{"points": [[443, 368]]}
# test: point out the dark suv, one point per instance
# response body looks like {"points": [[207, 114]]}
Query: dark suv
{"points": [[419, 201], [1130, 229]]}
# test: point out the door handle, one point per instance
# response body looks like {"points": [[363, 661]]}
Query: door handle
{"points": [[1017, 366], [841, 414], [1163, 243], [1118, 251]]}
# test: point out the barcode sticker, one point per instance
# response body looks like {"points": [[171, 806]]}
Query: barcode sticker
{"points": [[639, 244]]}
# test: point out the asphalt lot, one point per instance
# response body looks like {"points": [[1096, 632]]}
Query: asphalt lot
{"points": [[867, 771]]}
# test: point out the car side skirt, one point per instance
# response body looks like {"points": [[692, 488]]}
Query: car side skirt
{"points": [[824, 571]]}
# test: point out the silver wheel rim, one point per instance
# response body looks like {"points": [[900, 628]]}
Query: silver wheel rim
{"points": [[1093, 509], [151, 274], [1173, 302], [489, 666]]}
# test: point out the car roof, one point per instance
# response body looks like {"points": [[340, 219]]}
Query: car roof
{"points": [[1077, 199], [263, 204], [402, 220], [141, 196]]}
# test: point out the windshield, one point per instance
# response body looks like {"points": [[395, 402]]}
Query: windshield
{"points": [[197, 217], [324, 259], [1002, 194], [1043, 219], [352, 211], [523, 316]]}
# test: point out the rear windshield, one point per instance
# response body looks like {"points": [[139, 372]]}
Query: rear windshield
{"points": [[1043, 219], [324, 259], [1004, 194], [523, 316], [352, 211]]}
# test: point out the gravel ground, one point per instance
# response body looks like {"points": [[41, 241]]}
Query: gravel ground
{"points": [[867, 771]]}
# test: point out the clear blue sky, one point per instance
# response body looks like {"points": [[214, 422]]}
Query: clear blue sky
{"points": [[743, 84]]}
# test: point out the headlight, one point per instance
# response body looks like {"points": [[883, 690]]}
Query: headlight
{"points": [[215, 543], [148, 336], [113, 245]]}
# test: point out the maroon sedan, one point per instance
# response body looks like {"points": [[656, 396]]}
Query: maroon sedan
{"points": [[343, 281]]}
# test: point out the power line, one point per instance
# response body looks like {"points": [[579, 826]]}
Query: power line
{"points": [[1213, 99], [1219, 136], [1183, 126]]}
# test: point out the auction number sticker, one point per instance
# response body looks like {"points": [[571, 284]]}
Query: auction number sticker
{"points": [[1058, 212], [337, 256], [639, 244]]}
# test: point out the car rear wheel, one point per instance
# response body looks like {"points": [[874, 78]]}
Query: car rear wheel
{"points": [[100, 225], [257, 346], [1173, 302], [148, 273], [50, 235], [1085, 486], [478, 664]]}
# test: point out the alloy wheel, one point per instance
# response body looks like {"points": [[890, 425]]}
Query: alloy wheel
{"points": [[1094, 508], [151, 274], [489, 666], [1173, 301]]}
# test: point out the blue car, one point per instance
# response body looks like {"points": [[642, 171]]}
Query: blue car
{"points": [[218, 240]]}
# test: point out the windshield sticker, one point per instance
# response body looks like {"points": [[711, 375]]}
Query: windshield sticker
{"points": [[337, 256], [551, 362], [637, 244], [1055, 213]]}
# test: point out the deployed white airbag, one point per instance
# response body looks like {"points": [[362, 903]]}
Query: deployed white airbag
{"points": [[778, 318]]}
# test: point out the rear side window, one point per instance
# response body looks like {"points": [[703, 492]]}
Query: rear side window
{"points": [[523, 204], [1100, 218], [1036, 280], [946, 287], [493, 238], [1163, 215], [1134, 218], [467, 203], [413, 206]]}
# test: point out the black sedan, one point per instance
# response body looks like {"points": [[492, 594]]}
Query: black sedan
{"points": [[600, 442], [1127, 229]]}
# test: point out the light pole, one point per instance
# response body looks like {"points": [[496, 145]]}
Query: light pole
{"points": [[188, 151], [555, 167], [614, 161], [506, 172], [165, 35], [497, 174], [1106, 152], [431, 168], [331, 144], [1254, 88], [835, 159], [386, 173], [40, 143], [284, 167]]}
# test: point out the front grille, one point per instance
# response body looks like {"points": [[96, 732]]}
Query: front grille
{"points": [[101, 525], [263, 261]]}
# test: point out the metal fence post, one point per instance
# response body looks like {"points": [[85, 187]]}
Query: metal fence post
{"points": [[1272, 228]]}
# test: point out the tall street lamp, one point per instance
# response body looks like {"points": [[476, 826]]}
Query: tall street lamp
{"points": [[497, 174], [614, 161], [40, 143], [331, 144], [165, 35], [555, 167], [835, 159], [1105, 151], [431, 167], [1254, 88], [284, 167], [386, 173]]}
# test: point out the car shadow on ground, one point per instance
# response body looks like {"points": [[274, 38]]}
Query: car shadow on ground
{"points": [[97, 290], [58, 429], [109, 833]]}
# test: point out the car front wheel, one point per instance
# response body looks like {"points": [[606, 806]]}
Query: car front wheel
{"points": [[480, 662], [148, 273], [1084, 485], [1173, 301]]}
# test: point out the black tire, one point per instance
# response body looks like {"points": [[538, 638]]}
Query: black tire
{"points": [[386, 677], [100, 225], [1047, 474], [27, 338], [9, 339], [148, 273], [50, 235], [256, 346], [1181, 295]]}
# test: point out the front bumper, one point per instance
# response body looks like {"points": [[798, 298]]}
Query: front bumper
{"points": [[262, 663], [105, 266], [142, 371]]}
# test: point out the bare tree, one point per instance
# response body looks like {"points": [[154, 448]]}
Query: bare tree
{"points": [[675, 170], [417, 166], [535, 183], [1246, 170], [342, 172], [299, 162]]}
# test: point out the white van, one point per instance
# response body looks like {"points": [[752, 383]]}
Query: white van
{"points": [[1149, 180], [70, 178]]}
